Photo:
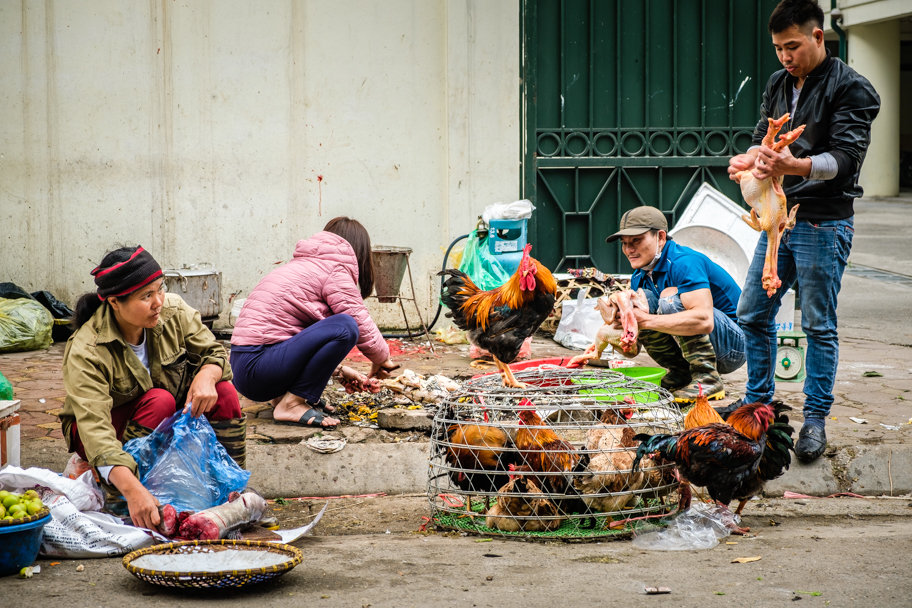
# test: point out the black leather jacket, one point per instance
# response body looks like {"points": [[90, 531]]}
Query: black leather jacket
{"points": [[837, 105]]}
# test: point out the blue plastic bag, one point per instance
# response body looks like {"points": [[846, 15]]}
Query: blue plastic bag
{"points": [[182, 464]]}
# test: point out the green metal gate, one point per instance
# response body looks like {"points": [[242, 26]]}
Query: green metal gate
{"points": [[633, 102]]}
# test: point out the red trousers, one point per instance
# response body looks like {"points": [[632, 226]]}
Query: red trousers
{"points": [[158, 404]]}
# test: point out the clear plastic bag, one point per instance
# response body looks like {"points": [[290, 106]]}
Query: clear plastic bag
{"points": [[580, 322], [518, 210], [701, 526], [24, 325], [482, 267], [182, 464]]}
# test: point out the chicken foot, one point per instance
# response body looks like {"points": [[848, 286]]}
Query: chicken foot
{"points": [[509, 379]]}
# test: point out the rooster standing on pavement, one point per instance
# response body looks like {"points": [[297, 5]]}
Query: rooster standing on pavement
{"points": [[501, 319], [728, 459]]}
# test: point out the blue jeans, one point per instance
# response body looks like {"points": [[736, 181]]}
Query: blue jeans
{"points": [[815, 255], [726, 337], [301, 365]]}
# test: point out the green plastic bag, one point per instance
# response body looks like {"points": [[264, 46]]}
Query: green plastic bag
{"points": [[24, 325], [482, 267], [6, 389]]}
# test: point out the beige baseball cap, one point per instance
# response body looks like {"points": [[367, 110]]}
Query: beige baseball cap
{"points": [[640, 220]]}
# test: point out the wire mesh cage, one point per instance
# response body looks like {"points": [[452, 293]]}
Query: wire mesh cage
{"points": [[552, 460]]}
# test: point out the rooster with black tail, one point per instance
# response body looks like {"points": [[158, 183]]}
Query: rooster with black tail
{"points": [[731, 460], [501, 319]]}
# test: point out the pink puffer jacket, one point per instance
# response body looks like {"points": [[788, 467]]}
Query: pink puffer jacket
{"points": [[320, 280]]}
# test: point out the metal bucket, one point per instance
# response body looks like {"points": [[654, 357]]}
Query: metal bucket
{"points": [[389, 268]]}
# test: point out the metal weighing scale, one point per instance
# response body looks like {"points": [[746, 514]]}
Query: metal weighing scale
{"points": [[790, 357]]}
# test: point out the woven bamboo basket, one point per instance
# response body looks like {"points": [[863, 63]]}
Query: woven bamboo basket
{"points": [[213, 580], [24, 520]]}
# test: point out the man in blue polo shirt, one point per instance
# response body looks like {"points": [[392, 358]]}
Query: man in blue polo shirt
{"points": [[692, 326]]}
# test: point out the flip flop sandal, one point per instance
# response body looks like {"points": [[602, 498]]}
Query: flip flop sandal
{"points": [[322, 405], [312, 418]]}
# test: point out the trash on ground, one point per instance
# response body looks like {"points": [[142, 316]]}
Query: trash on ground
{"points": [[858, 420], [889, 427], [451, 335], [420, 389], [746, 560], [80, 568], [326, 443], [657, 590], [26, 572], [872, 374], [702, 526]]}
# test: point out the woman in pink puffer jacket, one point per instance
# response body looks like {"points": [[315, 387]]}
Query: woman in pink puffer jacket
{"points": [[302, 320]]}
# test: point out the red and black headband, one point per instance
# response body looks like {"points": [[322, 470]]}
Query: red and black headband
{"points": [[127, 276]]}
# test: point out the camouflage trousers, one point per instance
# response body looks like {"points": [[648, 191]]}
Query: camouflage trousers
{"points": [[692, 361]]}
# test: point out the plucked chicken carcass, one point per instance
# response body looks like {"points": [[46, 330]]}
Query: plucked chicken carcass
{"points": [[619, 305], [769, 210], [500, 320]]}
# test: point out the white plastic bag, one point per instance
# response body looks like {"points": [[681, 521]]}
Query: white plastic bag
{"points": [[76, 528], [580, 322], [701, 526], [519, 210]]}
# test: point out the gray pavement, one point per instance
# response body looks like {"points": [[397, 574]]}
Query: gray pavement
{"points": [[838, 552]]}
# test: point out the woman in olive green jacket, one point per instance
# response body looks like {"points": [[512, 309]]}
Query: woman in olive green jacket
{"points": [[137, 355]]}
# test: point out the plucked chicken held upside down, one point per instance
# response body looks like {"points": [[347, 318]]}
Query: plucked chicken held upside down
{"points": [[769, 210], [501, 319]]}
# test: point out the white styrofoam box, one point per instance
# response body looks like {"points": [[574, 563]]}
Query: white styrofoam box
{"points": [[785, 318], [711, 224], [9, 433]]}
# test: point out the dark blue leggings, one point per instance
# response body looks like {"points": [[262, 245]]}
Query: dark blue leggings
{"points": [[301, 365]]}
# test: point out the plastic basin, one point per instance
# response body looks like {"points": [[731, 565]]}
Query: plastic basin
{"points": [[19, 545], [618, 393], [646, 374]]}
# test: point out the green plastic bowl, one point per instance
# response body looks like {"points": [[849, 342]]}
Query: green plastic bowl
{"points": [[617, 394], [647, 374]]}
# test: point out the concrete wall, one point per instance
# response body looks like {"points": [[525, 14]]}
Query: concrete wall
{"points": [[200, 130]]}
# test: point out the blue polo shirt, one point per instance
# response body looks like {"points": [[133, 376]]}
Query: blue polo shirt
{"points": [[689, 270]]}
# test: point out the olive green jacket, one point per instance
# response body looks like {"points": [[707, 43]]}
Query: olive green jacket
{"points": [[101, 372]]}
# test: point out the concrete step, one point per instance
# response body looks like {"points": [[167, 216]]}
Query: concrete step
{"points": [[402, 468]]}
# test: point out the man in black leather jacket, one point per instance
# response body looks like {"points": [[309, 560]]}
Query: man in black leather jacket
{"points": [[819, 173]]}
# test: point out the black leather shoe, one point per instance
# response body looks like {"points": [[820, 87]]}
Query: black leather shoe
{"points": [[729, 409], [811, 443]]}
